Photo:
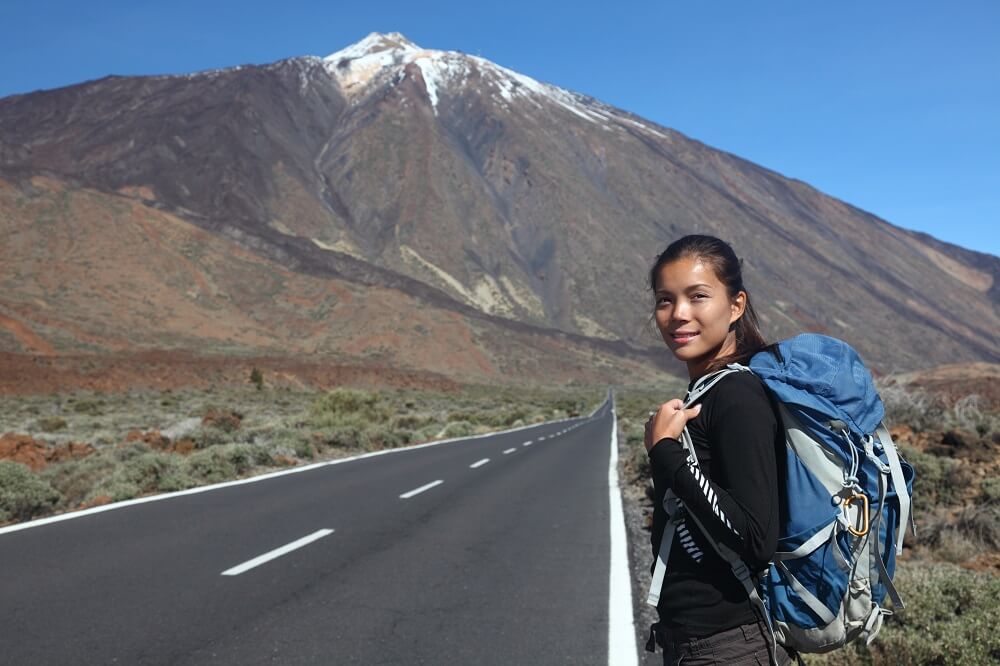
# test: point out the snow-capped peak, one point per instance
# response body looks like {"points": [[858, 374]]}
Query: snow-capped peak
{"points": [[374, 43], [384, 57]]}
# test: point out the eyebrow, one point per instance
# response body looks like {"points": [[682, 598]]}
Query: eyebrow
{"points": [[700, 285]]}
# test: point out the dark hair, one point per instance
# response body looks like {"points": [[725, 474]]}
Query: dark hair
{"points": [[728, 269]]}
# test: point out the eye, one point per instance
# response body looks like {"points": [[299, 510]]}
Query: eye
{"points": [[699, 296], [662, 300]]}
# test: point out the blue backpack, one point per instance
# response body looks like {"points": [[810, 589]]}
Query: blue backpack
{"points": [[845, 499]]}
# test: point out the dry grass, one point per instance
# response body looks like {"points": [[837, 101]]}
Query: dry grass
{"points": [[159, 441]]}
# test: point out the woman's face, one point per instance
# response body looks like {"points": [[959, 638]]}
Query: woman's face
{"points": [[694, 313]]}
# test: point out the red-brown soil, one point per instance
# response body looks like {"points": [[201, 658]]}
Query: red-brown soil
{"points": [[37, 454], [27, 374], [949, 383]]}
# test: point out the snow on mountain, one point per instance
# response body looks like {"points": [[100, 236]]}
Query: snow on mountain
{"points": [[381, 58]]}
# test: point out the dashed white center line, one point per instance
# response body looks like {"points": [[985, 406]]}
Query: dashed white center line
{"points": [[528, 443], [417, 491], [506, 451], [277, 552], [479, 463]]}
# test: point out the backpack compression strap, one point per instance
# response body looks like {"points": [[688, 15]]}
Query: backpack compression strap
{"points": [[898, 483]]}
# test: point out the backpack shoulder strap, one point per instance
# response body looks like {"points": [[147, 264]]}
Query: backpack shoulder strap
{"points": [[698, 391]]}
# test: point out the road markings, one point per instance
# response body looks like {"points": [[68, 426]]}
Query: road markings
{"points": [[277, 552], [621, 625], [506, 451], [417, 491], [70, 515], [528, 443], [479, 463]]}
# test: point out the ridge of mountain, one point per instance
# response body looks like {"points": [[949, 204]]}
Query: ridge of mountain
{"points": [[485, 193]]}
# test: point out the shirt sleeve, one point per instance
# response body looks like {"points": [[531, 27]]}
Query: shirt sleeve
{"points": [[739, 504]]}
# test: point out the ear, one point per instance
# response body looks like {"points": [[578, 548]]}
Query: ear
{"points": [[737, 307]]}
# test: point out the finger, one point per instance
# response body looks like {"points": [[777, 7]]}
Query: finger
{"points": [[692, 412], [674, 404]]}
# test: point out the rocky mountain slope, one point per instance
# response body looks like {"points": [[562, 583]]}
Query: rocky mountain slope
{"points": [[525, 214]]}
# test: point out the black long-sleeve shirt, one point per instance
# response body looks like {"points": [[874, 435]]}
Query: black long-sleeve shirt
{"points": [[733, 492]]}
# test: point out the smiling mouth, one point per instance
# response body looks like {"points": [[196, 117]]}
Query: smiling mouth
{"points": [[683, 337]]}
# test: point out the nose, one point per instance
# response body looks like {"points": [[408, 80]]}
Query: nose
{"points": [[680, 310]]}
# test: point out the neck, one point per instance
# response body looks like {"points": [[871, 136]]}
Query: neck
{"points": [[700, 366]]}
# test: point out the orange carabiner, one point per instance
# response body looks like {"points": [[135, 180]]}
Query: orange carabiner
{"points": [[864, 514]]}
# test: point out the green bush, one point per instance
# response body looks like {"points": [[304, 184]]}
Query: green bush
{"points": [[148, 472], [207, 436], [989, 490], [411, 421], [347, 407], [257, 378], [458, 429], [951, 617], [22, 494], [344, 437], [380, 436], [89, 407], [938, 480], [77, 479], [223, 463], [51, 424]]}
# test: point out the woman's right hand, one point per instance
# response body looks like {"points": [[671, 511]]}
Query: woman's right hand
{"points": [[668, 421]]}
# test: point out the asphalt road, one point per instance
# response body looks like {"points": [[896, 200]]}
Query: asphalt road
{"points": [[367, 561]]}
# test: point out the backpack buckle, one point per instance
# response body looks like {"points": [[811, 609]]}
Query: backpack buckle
{"points": [[865, 525]]}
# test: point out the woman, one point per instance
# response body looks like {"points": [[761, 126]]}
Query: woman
{"points": [[704, 314]]}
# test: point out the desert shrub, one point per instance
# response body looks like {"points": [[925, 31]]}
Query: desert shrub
{"points": [[304, 449], [347, 407], [427, 433], [222, 463], [380, 436], [981, 524], [458, 429], [922, 412], [208, 436], [23, 495], [950, 618], [989, 490], [938, 480], [257, 378], [226, 420], [411, 421], [967, 414], [948, 543], [76, 479], [344, 437], [148, 472], [636, 459], [496, 417], [912, 407], [51, 424], [284, 439], [89, 407]]}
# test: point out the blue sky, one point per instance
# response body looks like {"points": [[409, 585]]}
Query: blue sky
{"points": [[891, 106]]}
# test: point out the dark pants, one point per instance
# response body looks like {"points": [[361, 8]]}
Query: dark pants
{"points": [[747, 645]]}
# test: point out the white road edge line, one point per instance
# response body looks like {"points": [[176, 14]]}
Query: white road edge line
{"points": [[622, 649], [506, 451], [479, 463], [70, 515], [417, 491], [276, 553]]}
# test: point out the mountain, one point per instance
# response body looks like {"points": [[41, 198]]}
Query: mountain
{"points": [[523, 215]]}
